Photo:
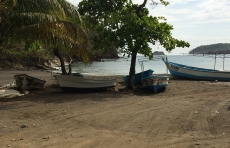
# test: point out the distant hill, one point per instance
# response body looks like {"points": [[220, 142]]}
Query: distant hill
{"points": [[220, 48], [158, 53]]}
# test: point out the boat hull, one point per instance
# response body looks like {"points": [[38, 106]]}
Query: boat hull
{"points": [[26, 82], [136, 79], [77, 84], [9, 93], [189, 72], [155, 83]]}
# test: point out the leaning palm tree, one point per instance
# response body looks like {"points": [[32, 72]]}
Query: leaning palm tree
{"points": [[56, 24]]}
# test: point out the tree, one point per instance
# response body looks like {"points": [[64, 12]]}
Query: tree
{"points": [[128, 27], [56, 24]]}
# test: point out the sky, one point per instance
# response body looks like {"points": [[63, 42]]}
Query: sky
{"points": [[199, 22]]}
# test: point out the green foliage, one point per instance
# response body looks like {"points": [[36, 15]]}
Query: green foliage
{"points": [[51, 23], [33, 47], [127, 27], [122, 25], [164, 2]]}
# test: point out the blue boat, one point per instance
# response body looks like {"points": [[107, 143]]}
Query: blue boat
{"points": [[189, 72], [155, 83], [136, 79]]}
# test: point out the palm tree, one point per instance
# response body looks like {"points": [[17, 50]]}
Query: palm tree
{"points": [[56, 24]]}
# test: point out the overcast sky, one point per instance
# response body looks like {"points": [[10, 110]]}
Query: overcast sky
{"points": [[199, 22]]}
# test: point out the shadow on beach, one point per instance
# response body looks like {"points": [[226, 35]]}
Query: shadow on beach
{"points": [[53, 93]]}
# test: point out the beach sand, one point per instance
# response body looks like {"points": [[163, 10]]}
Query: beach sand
{"points": [[187, 114]]}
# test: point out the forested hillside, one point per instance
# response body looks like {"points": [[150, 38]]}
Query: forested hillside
{"points": [[220, 48], [20, 58]]}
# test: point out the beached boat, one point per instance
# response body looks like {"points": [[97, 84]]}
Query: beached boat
{"points": [[69, 83], [26, 82], [189, 72], [136, 79], [9, 93], [155, 83]]}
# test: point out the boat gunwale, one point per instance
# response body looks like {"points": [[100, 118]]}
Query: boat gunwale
{"points": [[195, 68], [87, 78], [18, 75], [153, 76]]}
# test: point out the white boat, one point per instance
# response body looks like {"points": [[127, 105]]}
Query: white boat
{"points": [[189, 72], [155, 83], [26, 82], [70, 83]]}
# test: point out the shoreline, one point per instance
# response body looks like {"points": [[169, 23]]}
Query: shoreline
{"points": [[7, 76]]}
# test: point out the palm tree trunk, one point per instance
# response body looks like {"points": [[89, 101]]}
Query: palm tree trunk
{"points": [[57, 54], [70, 60], [70, 68], [1, 46]]}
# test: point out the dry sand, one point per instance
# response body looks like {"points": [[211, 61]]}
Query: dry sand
{"points": [[187, 114]]}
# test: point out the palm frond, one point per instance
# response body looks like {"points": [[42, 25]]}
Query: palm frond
{"points": [[62, 34], [54, 23]]}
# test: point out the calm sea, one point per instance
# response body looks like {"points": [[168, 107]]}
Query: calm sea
{"points": [[121, 66]]}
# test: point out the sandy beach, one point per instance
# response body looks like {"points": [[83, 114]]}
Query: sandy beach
{"points": [[187, 114]]}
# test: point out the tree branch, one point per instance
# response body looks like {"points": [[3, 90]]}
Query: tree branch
{"points": [[141, 6]]}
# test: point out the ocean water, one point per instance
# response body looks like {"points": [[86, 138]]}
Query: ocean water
{"points": [[121, 66]]}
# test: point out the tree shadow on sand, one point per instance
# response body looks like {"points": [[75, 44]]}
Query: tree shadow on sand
{"points": [[228, 108], [54, 94], [140, 91]]}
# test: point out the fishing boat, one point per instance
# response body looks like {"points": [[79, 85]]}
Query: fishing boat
{"points": [[26, 82], [189, 72], [79, 84], [155, 83], [136, 79]]}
